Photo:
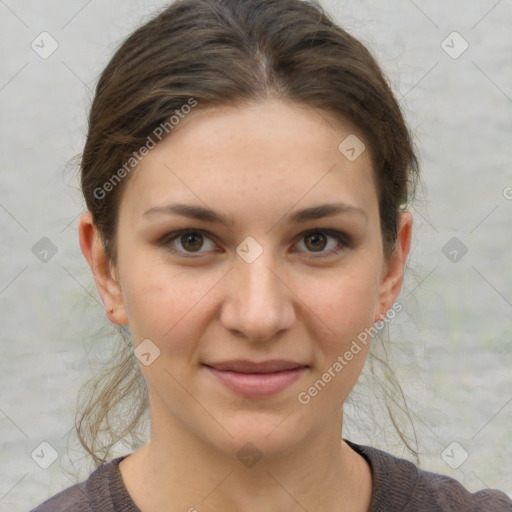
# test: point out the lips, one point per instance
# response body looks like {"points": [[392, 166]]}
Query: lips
{"points": [[244, 366], [252, 379]]}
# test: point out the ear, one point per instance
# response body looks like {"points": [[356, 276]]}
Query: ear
{"points": [[102, 269], [393, 268]]}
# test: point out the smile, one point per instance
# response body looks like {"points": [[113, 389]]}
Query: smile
{"points": [[257, 384]]}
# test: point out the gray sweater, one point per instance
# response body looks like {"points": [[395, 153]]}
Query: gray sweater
{"points": [[398, 485]]}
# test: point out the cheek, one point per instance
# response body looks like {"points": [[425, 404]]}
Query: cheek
{"points": [[345, 300], [164, 301], [343, 313]]}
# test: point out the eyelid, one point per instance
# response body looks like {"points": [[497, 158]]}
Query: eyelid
{"points": [[342, 238]]}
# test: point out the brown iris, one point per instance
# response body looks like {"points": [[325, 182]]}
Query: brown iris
{"points": [[192, 241], [318, 241]]}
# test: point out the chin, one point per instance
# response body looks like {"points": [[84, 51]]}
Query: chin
{"points": [[257, 436]]}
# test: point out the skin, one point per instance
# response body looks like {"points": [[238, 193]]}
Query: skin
{"points": [[256, 164]]}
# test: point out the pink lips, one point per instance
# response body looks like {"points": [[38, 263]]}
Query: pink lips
{"points": [[251, 379]]}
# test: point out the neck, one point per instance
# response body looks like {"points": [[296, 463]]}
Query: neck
{"points": [[178, 470]]}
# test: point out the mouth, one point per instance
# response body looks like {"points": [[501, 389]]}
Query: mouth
{"points": [[256, 379]]}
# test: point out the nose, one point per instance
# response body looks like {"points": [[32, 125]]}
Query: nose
{"points": [[259, 302]]}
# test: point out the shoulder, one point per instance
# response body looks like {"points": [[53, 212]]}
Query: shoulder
{"points": [[448, 494], [400, 485], [95, 494], [72, 499]]}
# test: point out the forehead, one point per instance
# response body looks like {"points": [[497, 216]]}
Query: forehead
{"points": [[266, 155]]}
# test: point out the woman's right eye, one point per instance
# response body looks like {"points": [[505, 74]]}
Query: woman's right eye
{"points": [[190, 240]]}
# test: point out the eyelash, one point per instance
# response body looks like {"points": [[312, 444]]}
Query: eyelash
{"points": [[341, 238]]}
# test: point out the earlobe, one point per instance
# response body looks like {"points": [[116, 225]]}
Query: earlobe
{"points": [[104, 274], [393, 270]]}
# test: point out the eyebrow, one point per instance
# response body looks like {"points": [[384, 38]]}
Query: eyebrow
{"points": [[208, 215]]}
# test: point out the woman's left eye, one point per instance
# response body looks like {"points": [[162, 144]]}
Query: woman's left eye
{"points": [[315, 241], [318, 240]]}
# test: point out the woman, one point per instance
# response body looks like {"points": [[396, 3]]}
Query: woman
{"points": [[246, 174]]}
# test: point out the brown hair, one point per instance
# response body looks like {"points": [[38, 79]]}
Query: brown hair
{"points": [[228, 52]]}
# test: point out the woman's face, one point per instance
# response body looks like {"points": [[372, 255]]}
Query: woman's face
{"points": [[270, 284]]}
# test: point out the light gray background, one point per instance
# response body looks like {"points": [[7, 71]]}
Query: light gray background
{"points": [[452, 343]]}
